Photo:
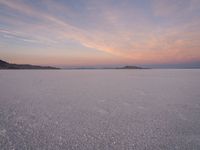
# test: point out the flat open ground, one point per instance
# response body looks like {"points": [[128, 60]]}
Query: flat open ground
{"points": [[100, 109]]}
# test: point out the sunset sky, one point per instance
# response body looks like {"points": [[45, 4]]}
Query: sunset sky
{"points": [[100, 32]]}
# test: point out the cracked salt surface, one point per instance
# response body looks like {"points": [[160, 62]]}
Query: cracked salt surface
{"points": [[100, 109]]}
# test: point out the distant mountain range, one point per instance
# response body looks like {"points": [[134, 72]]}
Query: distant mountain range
{"points": [[130, 67], [124, 67], [6, 65]]}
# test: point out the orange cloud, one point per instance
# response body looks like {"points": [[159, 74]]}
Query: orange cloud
{"points": [[144, 44]]}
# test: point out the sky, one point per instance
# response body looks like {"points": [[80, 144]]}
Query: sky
{"points": [[100, 32]]}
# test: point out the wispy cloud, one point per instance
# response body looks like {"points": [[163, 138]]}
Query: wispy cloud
{"points": [[166, 31]]}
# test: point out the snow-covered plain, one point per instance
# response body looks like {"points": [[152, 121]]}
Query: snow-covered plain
{"points": [[100, 109]]}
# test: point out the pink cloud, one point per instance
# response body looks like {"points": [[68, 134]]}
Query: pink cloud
{"points": [[140, 44]]}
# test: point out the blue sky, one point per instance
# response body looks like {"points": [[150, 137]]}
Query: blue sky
{"points": [[106, 32]]}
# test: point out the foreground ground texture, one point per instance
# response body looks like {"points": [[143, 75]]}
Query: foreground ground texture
{"points": [[100, 109]]}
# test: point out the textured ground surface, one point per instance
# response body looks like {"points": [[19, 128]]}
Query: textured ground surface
{"points": [[100, 109]]}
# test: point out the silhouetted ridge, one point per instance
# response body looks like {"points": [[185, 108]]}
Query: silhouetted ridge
{"points": [[130, 67], [6, 65]]}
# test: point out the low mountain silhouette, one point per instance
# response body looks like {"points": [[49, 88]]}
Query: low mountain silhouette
{"points": [[6, 65], [130, 67], [104, 68]]}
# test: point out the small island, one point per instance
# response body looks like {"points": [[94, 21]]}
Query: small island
{"points": [[6, 65]]}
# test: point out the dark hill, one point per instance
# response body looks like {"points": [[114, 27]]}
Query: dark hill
{"points": [[130, 67], [6, 65]]}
